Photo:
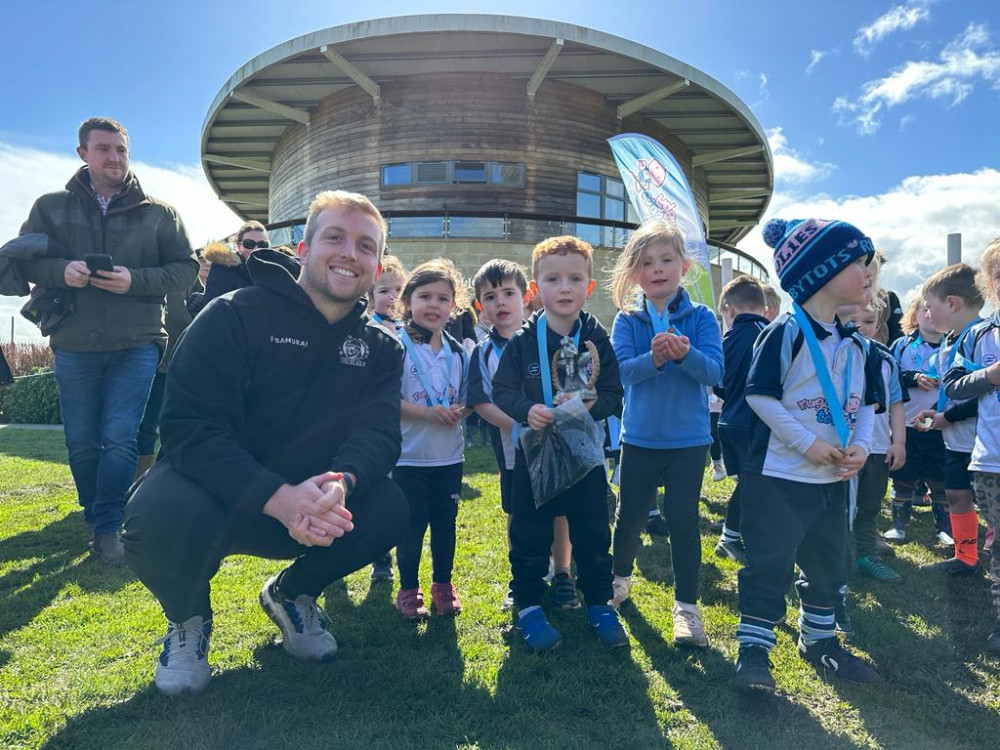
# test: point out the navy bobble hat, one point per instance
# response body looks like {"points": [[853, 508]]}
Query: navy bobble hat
{"points": [[808, 253]]}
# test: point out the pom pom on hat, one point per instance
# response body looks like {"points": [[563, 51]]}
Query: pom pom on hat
{"points": [[774, 230]]}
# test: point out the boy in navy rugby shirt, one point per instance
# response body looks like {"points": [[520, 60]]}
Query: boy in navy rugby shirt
{"points": [[742, 304], [808, 438]]}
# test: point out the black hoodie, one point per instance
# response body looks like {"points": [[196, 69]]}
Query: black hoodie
{"points": [[263, 391], [517, 385]]}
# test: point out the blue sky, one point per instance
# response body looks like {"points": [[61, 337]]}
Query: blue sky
{"points": [[877, 111]]}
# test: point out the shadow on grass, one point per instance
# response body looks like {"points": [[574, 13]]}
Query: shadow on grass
{"points": [[58, 556], [937, 626], [735, 718]]}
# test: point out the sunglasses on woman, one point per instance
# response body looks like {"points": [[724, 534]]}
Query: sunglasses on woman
{"points": [[253, 245]]}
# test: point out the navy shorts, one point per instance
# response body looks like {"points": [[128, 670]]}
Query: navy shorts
{"points": [[925, 457], [956, 471]]}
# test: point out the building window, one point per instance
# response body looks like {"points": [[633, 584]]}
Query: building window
{"points": [[600, 197], [396, 174], [508, 174]]}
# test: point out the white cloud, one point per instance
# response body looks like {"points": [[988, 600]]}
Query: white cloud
{"points": [[897, 18], [26, 173], [790, 166], [909, 223], [968, 57], [815, 56]]}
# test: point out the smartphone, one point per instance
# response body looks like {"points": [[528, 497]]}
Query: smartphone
{"points": [[97, 262]]}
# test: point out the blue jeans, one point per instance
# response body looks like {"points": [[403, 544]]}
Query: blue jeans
{"points": [[102, 396]]}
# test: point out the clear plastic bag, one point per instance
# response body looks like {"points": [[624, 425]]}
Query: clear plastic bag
{"points": [[564, 452]]}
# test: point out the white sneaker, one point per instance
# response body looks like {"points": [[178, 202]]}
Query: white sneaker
{"points": [[302, 624], [944, 539], [620, 588], [718, 470], [183, 664], [895, 535], [552, 571], [688, 627]]}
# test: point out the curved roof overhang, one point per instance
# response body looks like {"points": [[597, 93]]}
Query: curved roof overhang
{"points": [[281, 87]]}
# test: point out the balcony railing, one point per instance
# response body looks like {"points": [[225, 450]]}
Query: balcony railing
{"points": [[508, 226]]}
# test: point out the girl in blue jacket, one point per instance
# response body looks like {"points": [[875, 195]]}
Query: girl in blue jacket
{"points": [[669, 349]]}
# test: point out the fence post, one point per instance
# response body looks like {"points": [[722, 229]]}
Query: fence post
{"points": [[954, 248]]}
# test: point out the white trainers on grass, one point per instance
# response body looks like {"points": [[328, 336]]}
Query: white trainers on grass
{"points": [[620, 588], [688, 627], [183, 663], [302, 623]]}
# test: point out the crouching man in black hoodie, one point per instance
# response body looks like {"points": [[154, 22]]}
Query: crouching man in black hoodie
{"points": [[280, 425]]}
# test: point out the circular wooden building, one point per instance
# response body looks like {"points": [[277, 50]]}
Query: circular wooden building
{"points": [[479, 135]]}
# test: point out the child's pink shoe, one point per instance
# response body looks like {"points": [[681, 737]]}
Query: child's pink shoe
{"points": [[410, 602], [445, 599]]}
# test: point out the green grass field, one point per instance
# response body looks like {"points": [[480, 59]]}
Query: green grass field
{"points": [[77, 652]]}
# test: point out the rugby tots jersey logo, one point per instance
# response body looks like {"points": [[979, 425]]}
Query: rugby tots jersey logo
{"points": [[822, 409], [354, 352]]}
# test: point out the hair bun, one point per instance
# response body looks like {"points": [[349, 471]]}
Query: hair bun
{"points": [[773, 231]]}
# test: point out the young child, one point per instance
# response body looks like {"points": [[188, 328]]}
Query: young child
{"points": [[742, 304], [888, 449], [381, 304], [976, 374], [917, 353], [812, 388], [669, 350], [385, 292], [501, 289], [772, 302], [561, 270], [953, 302], [429, 470]]}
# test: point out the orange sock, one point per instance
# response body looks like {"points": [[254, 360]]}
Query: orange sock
{"points": [[965, 531]]}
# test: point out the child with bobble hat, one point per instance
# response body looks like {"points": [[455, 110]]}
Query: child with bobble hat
{"points": [[812, 388]]}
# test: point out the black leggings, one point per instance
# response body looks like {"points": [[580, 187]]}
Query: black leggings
{"points": [[680, 471], [176, 535], [432, 493], [716, 449]]}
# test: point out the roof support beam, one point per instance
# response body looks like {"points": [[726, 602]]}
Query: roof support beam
{"points": [[257, 165], [624, 110], [271, 106], [542, 69], [717, 225], [246, 199], [352, 71], [734, 153], [724, 196]]}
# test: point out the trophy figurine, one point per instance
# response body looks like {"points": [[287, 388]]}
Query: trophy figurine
{"points": [[570, 368]]}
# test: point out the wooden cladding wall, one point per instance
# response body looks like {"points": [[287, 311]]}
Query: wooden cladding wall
{"points": [[476, 117]]}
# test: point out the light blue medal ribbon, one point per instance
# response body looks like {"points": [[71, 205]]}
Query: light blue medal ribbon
{"points": [[378, 318], [916, 353], [833, 401], [422, 374], [942, 401], [661, 321], [514, 428], [541, 327]]}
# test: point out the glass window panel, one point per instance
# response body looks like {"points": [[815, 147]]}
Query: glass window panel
{"points": [[587, 181], [469, 171], [396, 174], [469, 226], [614, 187], [432, 172], [416, 226], [614, 209], [506, 174], [588, 205], [588, 232]]}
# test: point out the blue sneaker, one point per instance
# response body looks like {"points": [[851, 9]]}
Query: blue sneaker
{"points": [[536, 630], [604, 620]]}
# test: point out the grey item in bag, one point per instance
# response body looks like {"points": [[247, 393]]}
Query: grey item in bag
{"points": [[562, 453]]}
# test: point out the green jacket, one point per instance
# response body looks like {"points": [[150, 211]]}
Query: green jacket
{"points": [[138, 232]]}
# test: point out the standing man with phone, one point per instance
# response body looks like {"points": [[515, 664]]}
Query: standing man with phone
{"points": [[128, 251]]}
